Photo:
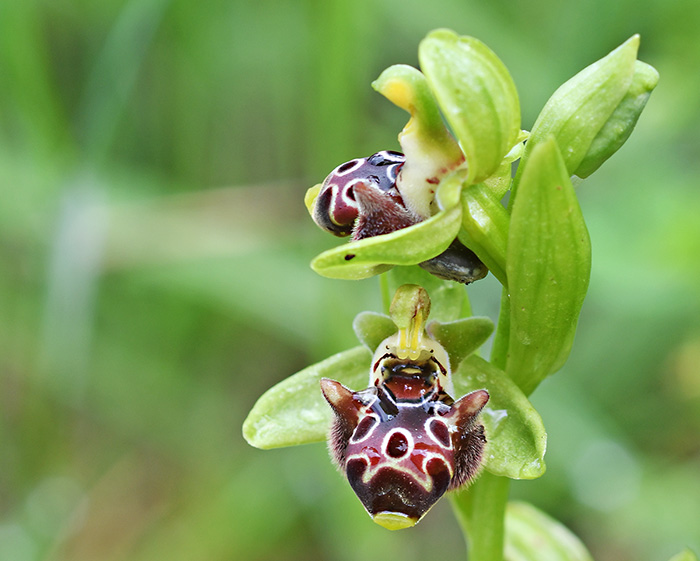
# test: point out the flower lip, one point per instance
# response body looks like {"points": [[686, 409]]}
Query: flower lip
{"points": [[336, 208], [394, 520], [332, 212], [410, 245], [379, 213]]}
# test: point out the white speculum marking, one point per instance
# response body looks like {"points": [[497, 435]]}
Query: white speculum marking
{"points": [[367, 432], [420, 477], [428, 426], [347, 198], [357, 161], [408, 437], [430, 456]]}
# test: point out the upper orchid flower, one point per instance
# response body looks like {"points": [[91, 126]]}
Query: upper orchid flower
{"points": [[404, 209]]}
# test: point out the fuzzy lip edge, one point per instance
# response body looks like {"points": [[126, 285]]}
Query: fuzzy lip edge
{"points": [[443, 226]]}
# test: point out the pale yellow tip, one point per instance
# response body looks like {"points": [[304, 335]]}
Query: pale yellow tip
{"points": [[311, 196], [394, 520], [399, 93]]}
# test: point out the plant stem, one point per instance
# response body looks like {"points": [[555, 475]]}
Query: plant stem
{"points": [[386, 292], [499, 351], [480, 511], [481, 508]]}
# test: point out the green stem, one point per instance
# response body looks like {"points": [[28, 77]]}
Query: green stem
{"points": [[499, 351], [466, 311], [481, 508], [481, 511], [386, 292]]}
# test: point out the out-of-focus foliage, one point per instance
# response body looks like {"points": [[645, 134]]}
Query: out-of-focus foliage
{"points": [[154, 274]]}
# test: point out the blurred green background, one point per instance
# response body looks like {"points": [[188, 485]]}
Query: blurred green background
{"points": [[154, 275]]}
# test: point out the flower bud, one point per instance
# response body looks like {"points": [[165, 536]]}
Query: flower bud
{"points": [[619, 126], [592, 114]]}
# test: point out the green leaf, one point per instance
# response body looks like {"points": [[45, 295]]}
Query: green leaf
{"points": [[428, 146], [372, 328], [410, 246], [461, 337], [485, 223], [517, 440], [477, 96], [294, 411], [580, 107], [531, 535], [548, 268], [685, 555], [619, 126]]}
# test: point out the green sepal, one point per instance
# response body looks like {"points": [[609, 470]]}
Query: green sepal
{"points": [[485, 223], [294, 412], [619, 126], [580, 107], [477, 96], [548, 268], [685, 555], [429, 148], [372, 328], [365, 258], [461, 337], [531, 535], [516, 438]]}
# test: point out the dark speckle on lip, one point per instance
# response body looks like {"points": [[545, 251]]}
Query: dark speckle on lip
{"points": [[349, 256]]}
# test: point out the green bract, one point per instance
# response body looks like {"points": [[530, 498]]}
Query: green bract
{"points": [[531, 535], [548, 268], [619, 126], [578, 111], [477, 95]]}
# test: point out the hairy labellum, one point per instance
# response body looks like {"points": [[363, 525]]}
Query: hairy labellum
{"points": [[403, 442], [336, 208], [379, 213], [360, 198]]}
